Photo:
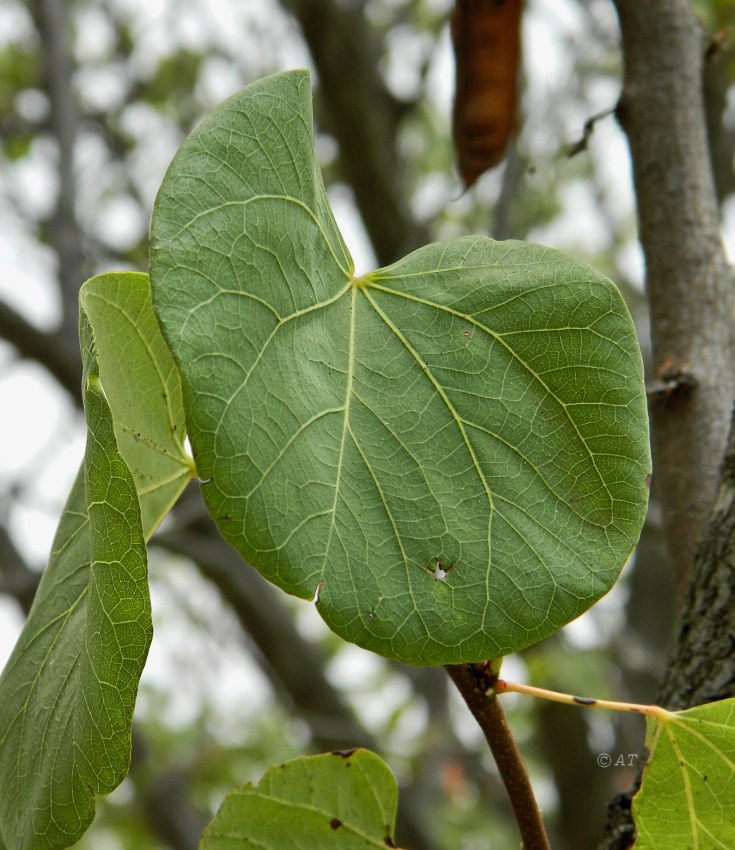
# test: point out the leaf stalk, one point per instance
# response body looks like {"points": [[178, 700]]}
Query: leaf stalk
{"points": [[500, 686]]}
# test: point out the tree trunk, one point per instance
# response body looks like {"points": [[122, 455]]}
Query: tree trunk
{"points": [[688, 282], [690, 291]]}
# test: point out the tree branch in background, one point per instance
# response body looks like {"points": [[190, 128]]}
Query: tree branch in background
{"points": [[17, 579], [162, 796], [688, 282], [363, 117], [701, 662], [57, 352], [721, 133], [52, 22]]}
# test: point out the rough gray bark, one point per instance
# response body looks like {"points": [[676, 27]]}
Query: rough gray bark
{"points": [[690, 292], [701, 661], [701, 664], [688, 282]]}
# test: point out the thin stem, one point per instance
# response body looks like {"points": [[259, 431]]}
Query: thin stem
{"points": [[502, 687], [475, 682]]}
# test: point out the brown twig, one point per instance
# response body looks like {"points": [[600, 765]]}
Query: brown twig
{"points": [[473, 681], [589, 125]]}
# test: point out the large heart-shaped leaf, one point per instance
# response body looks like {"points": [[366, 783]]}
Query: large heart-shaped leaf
{"points": [[344, 800], [452, 453], [687, 797]]}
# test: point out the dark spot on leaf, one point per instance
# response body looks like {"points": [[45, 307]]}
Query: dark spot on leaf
{"points": [[335, 823], [388, 841], [648, 480], [345, 754]]}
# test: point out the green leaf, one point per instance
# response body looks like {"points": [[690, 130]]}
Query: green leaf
{"points": [[142, 389], [68, 691], [477, 406], [687, 797], [346, 800]]}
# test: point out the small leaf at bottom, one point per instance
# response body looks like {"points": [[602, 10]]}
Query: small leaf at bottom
{"points": [[344, 800]]}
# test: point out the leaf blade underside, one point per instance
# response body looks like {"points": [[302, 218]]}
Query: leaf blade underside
{"points": [[142, 389], [479, 405], [68, 690]]}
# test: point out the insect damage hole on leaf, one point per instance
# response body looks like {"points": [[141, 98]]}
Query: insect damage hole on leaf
{"points": [[439, 569]]}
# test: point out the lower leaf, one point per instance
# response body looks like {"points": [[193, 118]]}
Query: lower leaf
{"points": [[345, 800]]}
